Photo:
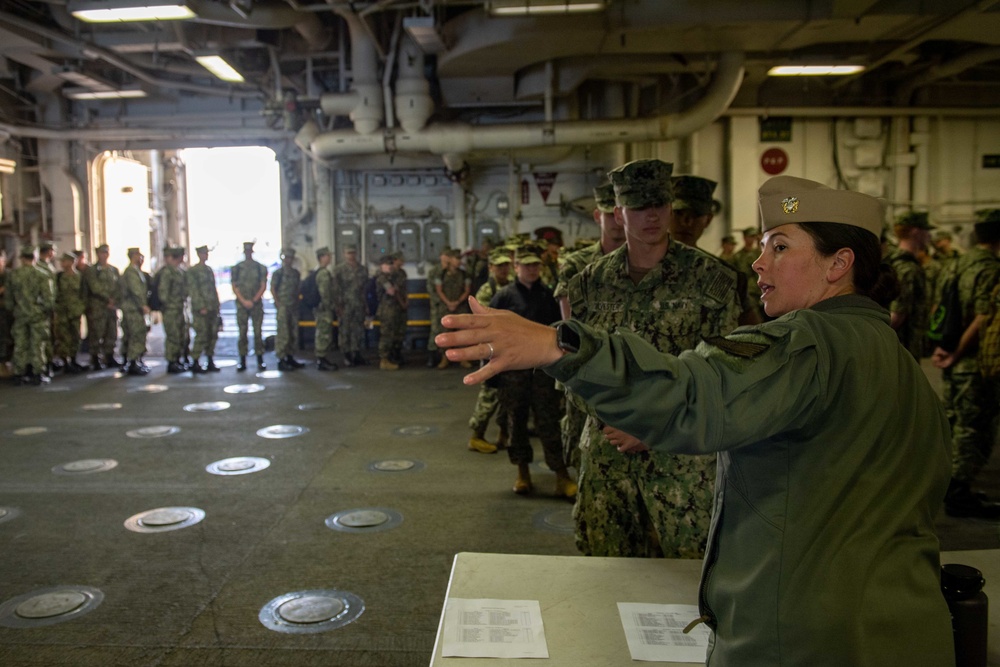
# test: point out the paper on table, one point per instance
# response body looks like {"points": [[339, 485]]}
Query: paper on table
{"points": [[493, 629], [655, 632]]}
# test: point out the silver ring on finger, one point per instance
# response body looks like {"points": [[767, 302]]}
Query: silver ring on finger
{"points": [[490, 345]]}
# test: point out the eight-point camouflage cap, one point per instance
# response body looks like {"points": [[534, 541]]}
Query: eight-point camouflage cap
{"points": [[102, 248], [916, 219], [527, 255], [500, 256], [68, 256], [133, 251], [642, 184], [27, 251], [45, 245], [322, 252], [201, 248], [693, 192], [787, 199], [604, 198]]}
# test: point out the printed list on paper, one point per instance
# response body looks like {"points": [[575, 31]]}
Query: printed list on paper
{"points": [[655, 632], [493, 629]]}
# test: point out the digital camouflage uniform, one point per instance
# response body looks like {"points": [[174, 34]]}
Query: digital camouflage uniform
{"points": [[912, 301], [349, 296], [971, 400], [325, 313], [204, 295], [436, 306], [172, 289], [32, 300], [650, 504], [69, 309], [134, 297], [488, 400], [100, 288], [285, 289], [6, 318], [49, 347], [391, 312], [743, 261], [248, 276]]}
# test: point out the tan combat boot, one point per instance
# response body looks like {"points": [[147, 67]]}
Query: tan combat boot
{"points": [[565, 486], [478, 444], [386, 365], [444, 361]]}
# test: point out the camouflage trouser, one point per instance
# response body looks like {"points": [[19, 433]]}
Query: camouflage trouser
{"points": [[6, 339], [175, 331], [134, 334], [392, 330], [31, 335], [66, 336], [644, 505], [324, 333], [352, 329], [487, 405], [243, 318], [102, 330], [206, 333], [571, 426], [532, 391], [971, 404], [287, 338], [437, 312]]}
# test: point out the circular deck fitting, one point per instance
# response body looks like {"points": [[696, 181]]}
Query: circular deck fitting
{"points": [[97, 407], [209, 406], [364, 520], [309, 407], [282, 431], [225, 363], [85, 466], [556, 521], [269, 375], [238, 465], [49, 606], [243, 388], [109, 373], [149, 389], [163, 519], [9, 514], [336, 386], [30, 430], [153, 431], [312, 611], [413, 430], [56, 388], [395, 465]]}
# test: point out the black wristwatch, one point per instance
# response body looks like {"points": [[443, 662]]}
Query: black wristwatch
{"points": [[567, 339]]}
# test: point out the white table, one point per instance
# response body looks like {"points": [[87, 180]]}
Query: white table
{"points": [[579, 596]]}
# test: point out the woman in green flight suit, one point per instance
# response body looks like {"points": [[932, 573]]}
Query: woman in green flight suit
{"points": [[833, 448]]}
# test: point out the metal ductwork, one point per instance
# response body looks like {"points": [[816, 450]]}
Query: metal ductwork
{"points": [[363, 104], [461, 138]]}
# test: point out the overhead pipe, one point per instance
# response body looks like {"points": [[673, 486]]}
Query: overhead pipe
{"points": [[363, 104], [414, 104], [461, 138]]}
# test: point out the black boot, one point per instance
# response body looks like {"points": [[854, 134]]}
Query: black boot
{"points": [[294, 362], [348, 360], [196, 367], [96, 364], [134, 368], [242, 366], [432, 359], [285, 365], [211, 367], [323, 365], [260, 362], [961, 501], [176, 366], [359, 360]]}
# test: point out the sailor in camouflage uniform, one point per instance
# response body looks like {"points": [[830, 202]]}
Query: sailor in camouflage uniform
{"points": [[135, 311], [392, 305], [249, 280], [435, 304], [649, 504], [32, 299], [570, 264], [285, 292], [910, 312], [6, 318], [172, 291], [488, 401], [101, 292], [349, 281], [452, 287], [743, 261], [200, 282], [325, 311], [69, 309], [970, 399]]}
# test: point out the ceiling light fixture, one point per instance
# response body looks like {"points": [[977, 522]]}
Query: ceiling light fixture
{"points": [[7, 166], [815, 70], [535, 7], [218, 66], [113, 11], [128, 92]]}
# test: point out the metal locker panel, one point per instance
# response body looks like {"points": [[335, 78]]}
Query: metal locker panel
{"points": [[487, 229], [408, 241], [379, 241], [437, 237], [347, 234]]}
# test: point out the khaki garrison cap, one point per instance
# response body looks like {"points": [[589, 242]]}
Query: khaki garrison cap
{"points": [[604, 198], [787, 199], [693, 192], [642, 184]]}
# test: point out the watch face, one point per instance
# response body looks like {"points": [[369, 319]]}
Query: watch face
{"points": [[567, 339]]}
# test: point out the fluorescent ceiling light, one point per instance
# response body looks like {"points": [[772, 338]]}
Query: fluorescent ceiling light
{"points": [[112, 11], [131, 92], [7, 166], [534, 7], [218, 66], [814, 70]]}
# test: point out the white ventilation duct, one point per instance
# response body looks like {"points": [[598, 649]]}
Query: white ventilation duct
{"points": [[363, 104], [462, 138], [414, 105]]}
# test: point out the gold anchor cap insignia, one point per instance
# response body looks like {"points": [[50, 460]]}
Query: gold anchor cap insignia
{"points": [[790, 205]]}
